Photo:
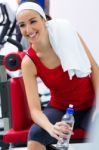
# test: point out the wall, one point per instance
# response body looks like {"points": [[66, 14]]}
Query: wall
{"points": [[83, 14]]}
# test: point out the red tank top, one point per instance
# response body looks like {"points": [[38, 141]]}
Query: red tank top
{"points": [[78, 91]]}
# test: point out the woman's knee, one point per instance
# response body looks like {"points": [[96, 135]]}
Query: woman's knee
{"points": [[39, 135]]}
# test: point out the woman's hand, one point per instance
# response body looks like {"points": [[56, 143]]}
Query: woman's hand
{"points": [[60, 129]]}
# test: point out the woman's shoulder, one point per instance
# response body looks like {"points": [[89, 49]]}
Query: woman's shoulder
{"points": [[26, 62], [28, 65]]}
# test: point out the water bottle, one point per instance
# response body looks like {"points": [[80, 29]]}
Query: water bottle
{"points": [[62, 143]]}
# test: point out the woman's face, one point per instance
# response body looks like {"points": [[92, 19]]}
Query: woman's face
{"points": [[32, 25]]}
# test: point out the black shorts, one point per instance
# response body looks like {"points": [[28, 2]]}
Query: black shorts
{"points": [[36, 133]]}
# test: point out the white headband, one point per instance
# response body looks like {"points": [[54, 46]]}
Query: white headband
{"points": [[32, 6]]}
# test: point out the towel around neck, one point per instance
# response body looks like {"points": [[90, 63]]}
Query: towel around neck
{"points": [[67, 45]]}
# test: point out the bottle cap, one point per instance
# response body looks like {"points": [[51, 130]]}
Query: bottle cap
{"points": [[70, 109], [70, 105]]}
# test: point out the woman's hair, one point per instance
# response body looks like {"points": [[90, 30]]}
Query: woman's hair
{"points": [[48, 17]]}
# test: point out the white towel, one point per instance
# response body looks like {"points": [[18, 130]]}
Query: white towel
{"points": [[68, 47]]}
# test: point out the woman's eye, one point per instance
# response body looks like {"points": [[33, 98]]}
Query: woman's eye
{"points": [[21, 25], [33, 21]]}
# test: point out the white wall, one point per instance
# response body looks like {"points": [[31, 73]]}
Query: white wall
{"points": [[83, 14]]}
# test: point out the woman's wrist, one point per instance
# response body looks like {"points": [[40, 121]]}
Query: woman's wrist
{"points": [[49, 128]]}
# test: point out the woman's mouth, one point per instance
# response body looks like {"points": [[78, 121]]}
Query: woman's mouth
{"points": [[32, 35]]}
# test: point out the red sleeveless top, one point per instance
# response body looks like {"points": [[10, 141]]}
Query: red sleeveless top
{"points": [[78, 91]]}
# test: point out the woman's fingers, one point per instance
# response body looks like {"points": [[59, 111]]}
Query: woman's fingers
{"points": [[64, 127], [55, 131], [61, 129]]}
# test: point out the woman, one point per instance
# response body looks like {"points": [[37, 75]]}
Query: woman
{"points": [[59, 56]]}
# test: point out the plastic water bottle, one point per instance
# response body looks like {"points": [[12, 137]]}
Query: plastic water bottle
{"points": [[63, 143]]}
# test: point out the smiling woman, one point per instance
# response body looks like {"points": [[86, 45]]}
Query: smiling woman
{"points": [[30, 27], [60, 57]]}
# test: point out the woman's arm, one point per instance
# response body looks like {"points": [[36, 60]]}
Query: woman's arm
{"points": [[95, 70], [29, 76]]}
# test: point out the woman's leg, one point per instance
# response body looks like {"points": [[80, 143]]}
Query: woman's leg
{"points": [[38, 138], [33, 145]]}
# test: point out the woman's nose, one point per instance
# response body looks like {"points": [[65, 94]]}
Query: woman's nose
{"points": [[28, 29]]}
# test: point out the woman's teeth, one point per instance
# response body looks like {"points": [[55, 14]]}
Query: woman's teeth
{"points": [[32, 35]]}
